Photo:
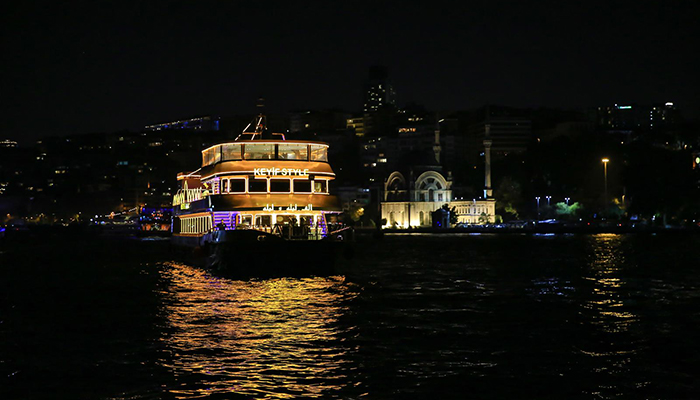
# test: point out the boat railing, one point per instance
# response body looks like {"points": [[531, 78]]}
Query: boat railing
{"points": [[292, 232], [342, 233], [297, 232]]}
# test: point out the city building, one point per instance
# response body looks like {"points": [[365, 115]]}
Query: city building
{"points": [[508, 133], [318, 121], [634, 117], [379, 91], [356, 125], [196, 124], [8, 143], [379, 105]]}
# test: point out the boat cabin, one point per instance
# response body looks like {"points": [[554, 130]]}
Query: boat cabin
{"points": [[276, 186]]}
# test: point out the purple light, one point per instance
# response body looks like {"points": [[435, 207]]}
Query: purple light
{"points": [[228, 218], [324, 226]]}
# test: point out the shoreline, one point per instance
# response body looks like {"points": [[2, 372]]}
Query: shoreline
{"points": [[539, 230]]}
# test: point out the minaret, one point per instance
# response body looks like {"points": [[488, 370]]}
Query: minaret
{"points": [[488, 192], [436, 145]]}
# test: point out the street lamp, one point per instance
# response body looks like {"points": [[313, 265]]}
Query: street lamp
{"points": [[605, 174], [566, 199], [548, 198], [538, 207]]}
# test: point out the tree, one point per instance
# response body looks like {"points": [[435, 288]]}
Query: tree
{"points": [[509, 196], [484, 218], [567, 211]]}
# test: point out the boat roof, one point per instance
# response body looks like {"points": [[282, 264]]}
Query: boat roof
{"points": [[268, 141]]}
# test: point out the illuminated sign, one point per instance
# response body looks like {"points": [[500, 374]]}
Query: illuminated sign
{"points": [[281, 171], [185, 196], [291, 207]]}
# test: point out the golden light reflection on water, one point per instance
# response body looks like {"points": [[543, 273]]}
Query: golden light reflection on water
{"points": [[275, 338], [605, 271], [606, 310]]}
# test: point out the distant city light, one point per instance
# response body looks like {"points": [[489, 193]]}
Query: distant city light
{"points": [[624, 107]]}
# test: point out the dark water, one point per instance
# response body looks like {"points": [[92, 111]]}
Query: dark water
{"points": [[442, 316]]}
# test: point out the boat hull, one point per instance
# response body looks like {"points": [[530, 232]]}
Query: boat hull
{"points": [[245, 254]]}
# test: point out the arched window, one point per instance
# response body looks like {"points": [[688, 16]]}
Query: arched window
{"points": [[432, 182]]}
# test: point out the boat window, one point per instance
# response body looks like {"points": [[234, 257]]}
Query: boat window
{"points": [[257, 185], [302, 186], [246, 220], [292, 152], [211, 156], [231, 151], [321, 186], [280, 185], [263, 220], [319, 152], [306, 220], [259, 151], [237, 185], [285, 219], [224, 186]]}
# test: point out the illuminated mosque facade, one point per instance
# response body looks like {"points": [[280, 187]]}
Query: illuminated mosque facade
{"points": [[410, 198]]}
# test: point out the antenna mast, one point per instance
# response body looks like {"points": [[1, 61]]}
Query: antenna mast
{"points": [[260, 122]]}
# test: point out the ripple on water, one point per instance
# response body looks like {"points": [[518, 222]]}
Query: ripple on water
{"points": [[255, 337]]}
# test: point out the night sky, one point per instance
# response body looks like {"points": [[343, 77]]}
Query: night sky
{"points": [[88, 67]]}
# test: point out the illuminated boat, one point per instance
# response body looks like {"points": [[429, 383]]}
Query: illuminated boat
{"points": [[254, 196]]}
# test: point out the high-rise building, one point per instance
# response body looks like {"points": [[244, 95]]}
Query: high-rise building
{"points": [[507, 130], [633, 117], [379, 92], [380, 102]]}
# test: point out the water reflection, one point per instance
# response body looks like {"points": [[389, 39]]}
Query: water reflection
{"points": [[606, 267], [274, 338], [545, 287], [608, 310]]}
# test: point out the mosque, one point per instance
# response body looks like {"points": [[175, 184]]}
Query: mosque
{"points": [[411, 197]]}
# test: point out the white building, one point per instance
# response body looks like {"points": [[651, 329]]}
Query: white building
{"points": [[475, 211], [412, 202]]}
